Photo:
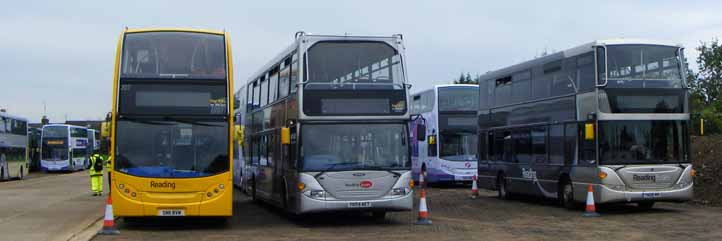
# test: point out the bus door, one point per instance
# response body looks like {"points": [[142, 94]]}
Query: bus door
{"points": [[548, 159], [265, 164], [522, 174]]}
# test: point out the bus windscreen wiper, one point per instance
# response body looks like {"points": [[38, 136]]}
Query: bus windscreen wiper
{"points": [[332, 166], [185, 121], [143, 121], [382, 168]]}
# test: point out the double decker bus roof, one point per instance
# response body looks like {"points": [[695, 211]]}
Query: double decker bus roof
{"points": [[578, 50], [293, 46], [189, 30]]}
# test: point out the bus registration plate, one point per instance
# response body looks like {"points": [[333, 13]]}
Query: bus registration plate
{"points": [[648, 195], [171, 212], [359, 204]]}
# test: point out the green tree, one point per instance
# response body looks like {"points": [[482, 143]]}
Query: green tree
{"points": [[466, 79], [706, 86]]}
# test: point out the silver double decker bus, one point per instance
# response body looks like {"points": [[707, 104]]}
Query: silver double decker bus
{"points": [[326, 126], [610, 113], [14, 162]]}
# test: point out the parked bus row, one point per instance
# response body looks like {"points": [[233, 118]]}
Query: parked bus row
{"points": [[329, 124], [54, 147]]}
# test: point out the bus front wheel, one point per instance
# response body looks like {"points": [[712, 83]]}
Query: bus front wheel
{"points": [[502, 191], [3, 167], [253, 189], [566, 196]]}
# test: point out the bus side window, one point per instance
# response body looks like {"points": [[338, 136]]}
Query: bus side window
{"points": [[556, 144], [539, 144], [570, 144], [508, 145]]}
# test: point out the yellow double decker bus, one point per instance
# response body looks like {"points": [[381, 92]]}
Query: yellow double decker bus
{"points": [[172, 124]]}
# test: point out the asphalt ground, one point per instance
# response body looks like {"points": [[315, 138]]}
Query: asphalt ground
{"points": [[48, 206], [455, 216]]}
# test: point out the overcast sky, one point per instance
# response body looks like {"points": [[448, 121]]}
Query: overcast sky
{"points": [[62, 53]]}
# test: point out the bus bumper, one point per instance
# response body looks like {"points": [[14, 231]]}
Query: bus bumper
{"points": [[606, 194], [47, 166], [441, 175], [310, 205]]}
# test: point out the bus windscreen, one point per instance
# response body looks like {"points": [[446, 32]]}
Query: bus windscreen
{"points": [[172, 55], [172, 149]]}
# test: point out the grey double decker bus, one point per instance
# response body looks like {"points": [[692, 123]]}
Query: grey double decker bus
{"points": [[14, 162], [326, 126], [610, 113]]}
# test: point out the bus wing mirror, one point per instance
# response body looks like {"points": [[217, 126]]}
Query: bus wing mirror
{"points": [[432, 140], [588, 131], [285, 136], [420, 132]]}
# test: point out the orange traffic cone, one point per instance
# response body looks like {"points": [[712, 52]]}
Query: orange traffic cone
{"points": [[474, 188], [423, 211], [590, 210], [108, 220]]}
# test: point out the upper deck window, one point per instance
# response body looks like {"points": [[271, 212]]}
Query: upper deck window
{"points": [[458, 99], [173, 55], [643, 66], [354, 65], [55, 131]]}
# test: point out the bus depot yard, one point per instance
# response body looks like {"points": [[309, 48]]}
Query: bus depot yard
{"points": [[455, 217], [328, 141]]}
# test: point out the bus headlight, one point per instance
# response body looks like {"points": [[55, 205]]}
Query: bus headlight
{"points": [[315, 194], [683, 184], [400, 191]]}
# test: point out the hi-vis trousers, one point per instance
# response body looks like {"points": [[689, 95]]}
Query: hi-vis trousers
{"points": [[96, 183]]}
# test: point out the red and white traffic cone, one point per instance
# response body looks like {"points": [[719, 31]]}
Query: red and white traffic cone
{"points": [[590, 210], [423, 210], [108, 220], [474, 188]]}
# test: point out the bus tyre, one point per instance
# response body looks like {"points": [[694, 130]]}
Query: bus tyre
{"points": [[253, 189], [645, 205], [378, 215], [566, 195], [502, 191], [284, 197], [3, 167]]}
